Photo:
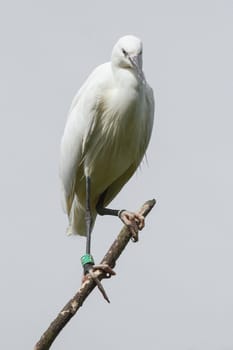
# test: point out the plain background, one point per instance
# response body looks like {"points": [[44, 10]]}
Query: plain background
{"points": [[174, 289]]}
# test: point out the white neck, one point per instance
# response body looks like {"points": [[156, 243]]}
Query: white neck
{"points": [[126, 77]]}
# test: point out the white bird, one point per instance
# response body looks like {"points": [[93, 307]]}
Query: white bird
{"points": [[105, 138]]}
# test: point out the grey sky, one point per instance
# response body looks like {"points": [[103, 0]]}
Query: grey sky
{"points": [[173, 290]]}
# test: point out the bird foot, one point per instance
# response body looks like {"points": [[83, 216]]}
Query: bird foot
{"points": [[92, 273], [106, 269], [133, 221]]}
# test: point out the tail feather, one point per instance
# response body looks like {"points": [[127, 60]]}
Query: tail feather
{"points": [[77, 223]]}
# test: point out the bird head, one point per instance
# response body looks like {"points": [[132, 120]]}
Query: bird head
{"points": [[127, 54]]}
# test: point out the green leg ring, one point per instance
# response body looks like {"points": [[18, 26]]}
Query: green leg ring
{"points": [[87, 259]]}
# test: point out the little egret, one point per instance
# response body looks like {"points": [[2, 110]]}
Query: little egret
{"points": [[105, 138]]}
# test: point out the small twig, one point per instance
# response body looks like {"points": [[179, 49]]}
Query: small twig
{"points": [[88, 285]]}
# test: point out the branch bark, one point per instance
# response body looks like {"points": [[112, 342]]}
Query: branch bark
{"points": [[88, 285]]}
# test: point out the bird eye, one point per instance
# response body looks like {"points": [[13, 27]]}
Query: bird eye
{"points": [[124, 52]]}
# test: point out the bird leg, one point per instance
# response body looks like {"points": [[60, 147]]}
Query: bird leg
{"points": [[87, 260], [133, 221], [88, 215]]}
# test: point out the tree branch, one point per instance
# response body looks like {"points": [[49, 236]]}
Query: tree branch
{"points": [[88, 285]]}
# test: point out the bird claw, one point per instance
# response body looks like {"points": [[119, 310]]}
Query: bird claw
{"points": [[108, 272], [133, 221], [106, 269]]}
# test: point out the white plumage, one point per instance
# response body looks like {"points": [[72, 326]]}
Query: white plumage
{"points": [[107, 132]]}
